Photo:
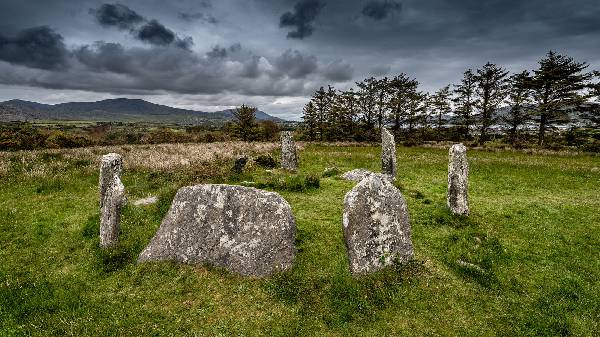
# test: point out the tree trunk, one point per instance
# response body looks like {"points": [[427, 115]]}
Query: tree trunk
{"points": [[542, 130]]}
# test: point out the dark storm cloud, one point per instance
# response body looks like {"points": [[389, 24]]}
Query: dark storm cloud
{"points": [[221, 52], [295, 64], [197, 16], [155, 33], [114, 68], [151, 32], [302, 18], [117, 15], [38, 47], [338, 71], [379, 10]]}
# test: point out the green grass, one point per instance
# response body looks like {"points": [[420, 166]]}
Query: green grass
{"points": [[526, 262]]}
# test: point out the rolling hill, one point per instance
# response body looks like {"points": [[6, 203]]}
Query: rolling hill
{"points": [[114, 110]]}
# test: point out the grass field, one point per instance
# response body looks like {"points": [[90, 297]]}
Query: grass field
{"points": [[532, 245]]}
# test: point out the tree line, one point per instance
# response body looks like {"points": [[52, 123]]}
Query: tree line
{"points": [[486, 101]]}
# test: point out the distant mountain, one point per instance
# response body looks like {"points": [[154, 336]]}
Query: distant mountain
{"points": [[114, 110]]}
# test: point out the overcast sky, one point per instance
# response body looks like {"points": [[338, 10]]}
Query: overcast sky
{"points": [[210, 55]]}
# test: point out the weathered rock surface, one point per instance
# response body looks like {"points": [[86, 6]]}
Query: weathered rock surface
{"points": [[356, 174], [458, 176], [289, 159], [388, 153], [242, 229], [112, 198], [376, 226]]}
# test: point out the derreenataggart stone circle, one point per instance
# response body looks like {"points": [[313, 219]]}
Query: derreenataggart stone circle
{"points": [[388, 153], [458, 176], [242, 229], [289, 158], [112, 198], [376, 226]]}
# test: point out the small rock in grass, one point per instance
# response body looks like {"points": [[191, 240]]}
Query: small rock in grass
{"points": [[146, 201]]}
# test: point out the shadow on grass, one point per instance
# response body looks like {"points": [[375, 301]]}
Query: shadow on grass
{"points": [[341, 299]]}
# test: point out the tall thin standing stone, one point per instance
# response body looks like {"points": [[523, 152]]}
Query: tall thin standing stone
{"points": [[388, 153], [458, 176], [289, 159], [112, 197]]}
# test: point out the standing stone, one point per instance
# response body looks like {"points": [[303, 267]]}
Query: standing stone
{"points": [[458, 175], [388, 153], [289, 159], [242, 229], [376, 226], [112, 197]]}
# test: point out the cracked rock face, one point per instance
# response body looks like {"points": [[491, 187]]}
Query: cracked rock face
{"points": [[388, 153], [112, 198], [289, 159], [458, 175], [244, 230], [376, 226]]}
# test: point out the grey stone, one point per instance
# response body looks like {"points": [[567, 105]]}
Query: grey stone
{"points": [[289, 159], [112, 198], [356, 174], [242, 229], [458, 176], [376, 226], [388, 153], [146, 201]]}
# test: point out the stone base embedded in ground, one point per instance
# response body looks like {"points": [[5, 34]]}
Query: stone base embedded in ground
{"points": [[458, 176], [112, 198], [242, 229], [376, 226]]}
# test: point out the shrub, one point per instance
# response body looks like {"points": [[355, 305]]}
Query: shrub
{"points": [[266, 161]]}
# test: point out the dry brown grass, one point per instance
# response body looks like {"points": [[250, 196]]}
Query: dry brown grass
{"points": [[160, 157]]}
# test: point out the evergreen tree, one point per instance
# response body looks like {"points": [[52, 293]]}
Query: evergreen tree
{"points": [[367, 101], [557, 86], [439, 103], [311, 120], [520, 104], [465, 101], [401, 90], [416, 112], [491, 90], [321, 104], [244, 119], [382, 89], [591, 112]]}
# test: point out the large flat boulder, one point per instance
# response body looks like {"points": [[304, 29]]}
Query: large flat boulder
{"points": [[242, 229], [376, 226]]}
